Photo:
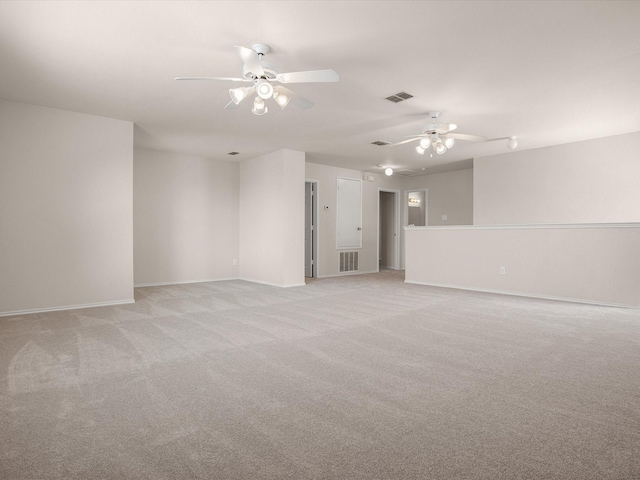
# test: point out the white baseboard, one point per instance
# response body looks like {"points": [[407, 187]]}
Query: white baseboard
{"points": [[527, 295], [344, 274], [66, 307], [183, 282]]}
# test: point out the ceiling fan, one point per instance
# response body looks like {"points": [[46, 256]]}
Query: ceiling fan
{"points": [[262, 75], [439, 136]]}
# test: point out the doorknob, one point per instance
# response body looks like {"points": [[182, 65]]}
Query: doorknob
{"points": [[359, 228]]}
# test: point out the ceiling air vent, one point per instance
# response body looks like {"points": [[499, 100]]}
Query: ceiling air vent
{"points": [[380, 143], [233, 153], [405, 172], [399, 97]]}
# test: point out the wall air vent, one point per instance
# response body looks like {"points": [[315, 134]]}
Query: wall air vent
{"points": [[233, 153], [380, 143], [348, 261], [399, 97]]}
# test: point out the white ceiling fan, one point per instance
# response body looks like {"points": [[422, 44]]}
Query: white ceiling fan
{"points": [[440, 136], [262, 74]]}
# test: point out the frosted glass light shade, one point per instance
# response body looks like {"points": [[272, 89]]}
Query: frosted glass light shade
{"points": [[282, 99], [259, 107], [388, 171], [239, 94], [264, 89]]}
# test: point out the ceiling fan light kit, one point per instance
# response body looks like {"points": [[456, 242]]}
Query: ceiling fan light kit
{"points": [[259, 106], [281, 98], [262, 74], [240, 93], [264, 88], [439, 136]]}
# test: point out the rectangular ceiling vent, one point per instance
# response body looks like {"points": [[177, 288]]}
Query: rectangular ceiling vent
{"points": [[399, 97], [380, 143], [233, 153], [405, 172]]}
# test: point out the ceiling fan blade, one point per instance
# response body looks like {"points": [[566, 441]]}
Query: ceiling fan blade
{"points": [[301, 102], [412, 139], [252, 60], [469, 138], [230, 79], [308, 76], [446, 128]]}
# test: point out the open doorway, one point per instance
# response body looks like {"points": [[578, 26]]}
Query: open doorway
{"points": [[388, 227], [416, 208], [310, 229]]}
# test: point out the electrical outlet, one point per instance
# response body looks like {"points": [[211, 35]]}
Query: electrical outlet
{"points": [[235, 261], [503, 271], [444, 217]]}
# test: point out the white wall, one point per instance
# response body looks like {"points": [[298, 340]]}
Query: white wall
{"points": [[185, 212], [590, 263], [328, 254], [585, 182], [450, 194], [272, 218], [66, 226]]}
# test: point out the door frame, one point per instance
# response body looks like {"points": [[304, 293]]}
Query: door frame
{"points": [[314, 221], [397, 223]]}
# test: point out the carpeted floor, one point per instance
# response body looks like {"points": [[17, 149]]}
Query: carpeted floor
{"points": [[360, 377]]}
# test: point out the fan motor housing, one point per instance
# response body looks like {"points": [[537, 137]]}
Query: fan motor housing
{"points": [[269, 72]]}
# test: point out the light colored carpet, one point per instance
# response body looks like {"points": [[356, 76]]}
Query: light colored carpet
{"points": [[362, 377]]}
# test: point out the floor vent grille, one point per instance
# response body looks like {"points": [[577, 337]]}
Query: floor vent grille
{"points": [[348, 261]]}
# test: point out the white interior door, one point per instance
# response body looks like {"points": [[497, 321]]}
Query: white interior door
{"points": [[349, 213]]}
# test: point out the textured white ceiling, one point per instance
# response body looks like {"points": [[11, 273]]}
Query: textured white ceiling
{"points": [[548, 72]]}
